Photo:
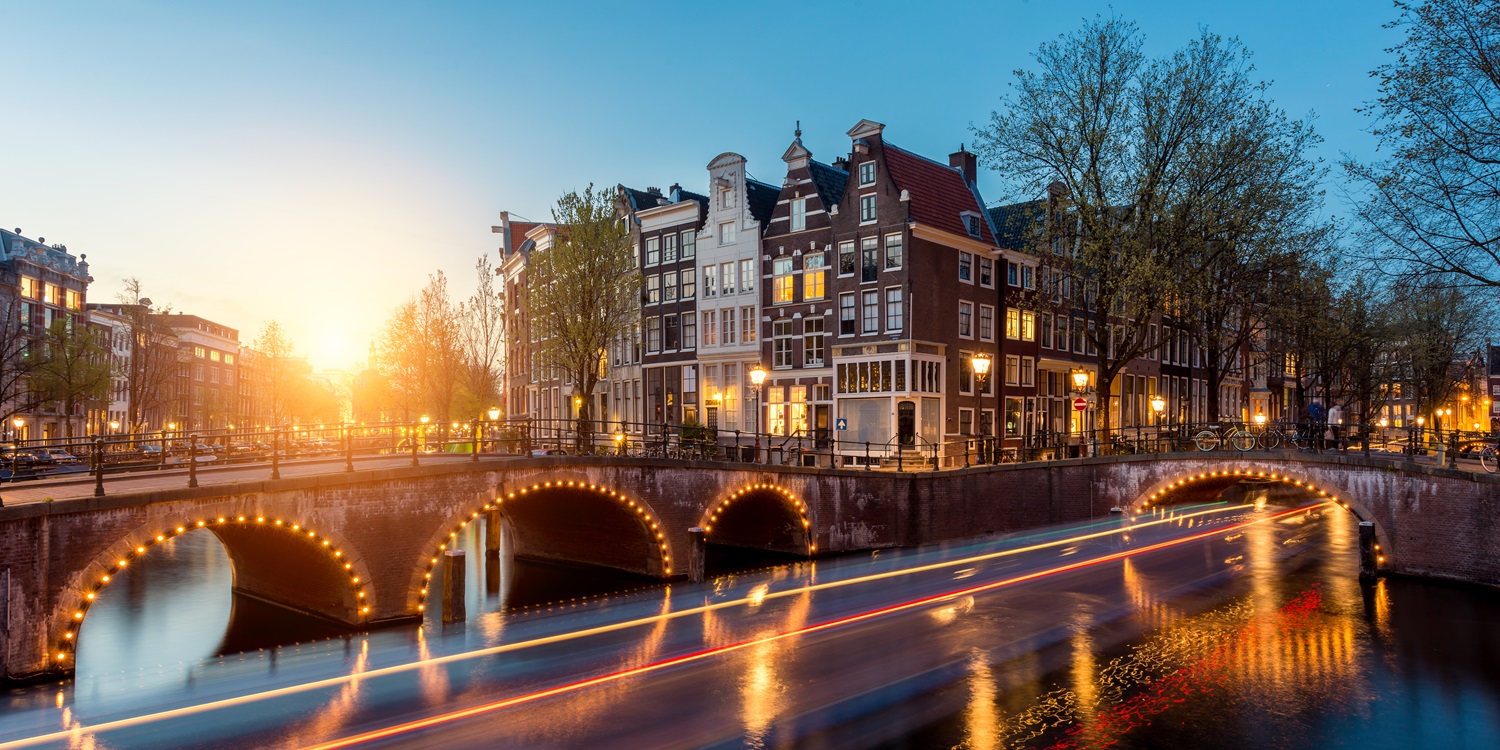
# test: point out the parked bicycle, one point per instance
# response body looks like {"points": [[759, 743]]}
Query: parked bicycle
{"points": [[1231, 434], [1298, 436]]}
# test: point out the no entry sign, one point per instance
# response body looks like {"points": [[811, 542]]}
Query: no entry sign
{"points": [[1080, 404]]}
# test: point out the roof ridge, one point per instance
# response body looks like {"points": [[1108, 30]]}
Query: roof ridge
{"points": [[827, 166], [911, 153]]}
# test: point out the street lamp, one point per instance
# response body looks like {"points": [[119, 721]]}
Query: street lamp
{"points": [[114, 425], [494, 413], [1158, 406], [981, 363], [757, 378]]}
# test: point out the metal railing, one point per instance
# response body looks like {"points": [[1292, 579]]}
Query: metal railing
{"points": [[189, 452]]}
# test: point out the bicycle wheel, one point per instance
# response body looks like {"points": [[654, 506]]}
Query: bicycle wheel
{"points": [[1269, 440], [1241, 440], [1206, 440], [1489, 459]]}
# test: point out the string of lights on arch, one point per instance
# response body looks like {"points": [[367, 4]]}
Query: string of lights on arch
{"points": [[642, 511], [112, 569], [712, 515], [1270, 476]]}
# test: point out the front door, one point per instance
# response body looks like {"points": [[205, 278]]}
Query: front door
{"points": [[820, 425], [906, 423]]}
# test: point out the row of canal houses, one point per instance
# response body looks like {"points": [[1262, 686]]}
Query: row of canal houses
{"points": [[864, 286]]}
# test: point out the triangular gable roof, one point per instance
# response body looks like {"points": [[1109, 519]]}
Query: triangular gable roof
{"points": [[828, 181], [1017, 224], [939, 194], [762, 199]]}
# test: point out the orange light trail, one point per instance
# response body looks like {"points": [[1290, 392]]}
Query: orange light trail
{"points": [[583, 633], [822, 626]]}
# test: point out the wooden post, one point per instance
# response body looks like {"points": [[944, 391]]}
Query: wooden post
{"points": [[697, 553], [454, 570], [1368, 555]]}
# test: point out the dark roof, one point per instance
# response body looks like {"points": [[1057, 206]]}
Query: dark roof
{"points": [[762, 199], [1016, 224], [939, 193], [828, 181], [688, 195], [641, 200]]}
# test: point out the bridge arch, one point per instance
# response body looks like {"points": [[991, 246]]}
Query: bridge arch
{"points": [[557, 518], [761, 516], [1179, 476], [277, 559]]}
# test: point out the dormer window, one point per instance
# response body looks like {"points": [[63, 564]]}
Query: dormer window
{"points": [[867, 174], [971, 223]]}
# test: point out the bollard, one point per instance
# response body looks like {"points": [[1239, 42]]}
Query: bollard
{"points": [[966, 453], [1453, 450], [867, 455], [1369, 557], [474, 447], [98, 467], [493, 528], [453, 586], [412, 434], [697, 553], [192, 460], [348, 450], [275, 454]]}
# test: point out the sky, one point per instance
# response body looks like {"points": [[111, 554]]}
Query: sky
{"points": [[313, 162]]}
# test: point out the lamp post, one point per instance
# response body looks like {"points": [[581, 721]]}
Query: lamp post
{"points": [[981, 364], [15, 455], [1158, 408], [424, 420], [494, 415], [757, 378], [1080, 386]]}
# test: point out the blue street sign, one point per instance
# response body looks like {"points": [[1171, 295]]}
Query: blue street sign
{"points": [[842, 424]]}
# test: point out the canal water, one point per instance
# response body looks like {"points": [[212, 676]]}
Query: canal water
{"points": [[1295, 653]]}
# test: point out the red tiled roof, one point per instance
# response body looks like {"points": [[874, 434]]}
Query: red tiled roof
{"points": [[518, 230], [938, 193]]}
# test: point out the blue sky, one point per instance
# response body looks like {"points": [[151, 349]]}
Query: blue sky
{"points": [[313, 162]]}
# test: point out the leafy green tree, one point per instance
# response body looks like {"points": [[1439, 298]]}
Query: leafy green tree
{"points": [[74, 368]]}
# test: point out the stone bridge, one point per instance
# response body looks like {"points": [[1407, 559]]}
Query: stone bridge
{"points": [[360, 548]]}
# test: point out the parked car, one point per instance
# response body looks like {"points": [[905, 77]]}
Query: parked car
{"points": [[538, 452], [58, 456]]}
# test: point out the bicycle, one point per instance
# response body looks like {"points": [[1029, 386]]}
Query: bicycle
{"points": [[1295, 434], [1234, 436]]}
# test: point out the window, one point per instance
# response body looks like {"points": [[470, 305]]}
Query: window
{"points": [[1060, 336], [1028, 277], [669, 286], [1012, 369], [1028, 326], [669, 248], [869, 255], [726, 198], [228, 359], [653, 289], [50, 294], [689, 335], [971, 223], [747, 275], [670, 334], [199, 352], [799, 214], [689, 244], [846, 314], [213, 355], [986, 323], [867, 173], [72, 300], [1028, 371], [1012, 323], [986, 272], [689, 285], [783, 284], [653, 335], [893, 251], [781, 344], [871, 313], [866, 208], [812, 277], [894, 314], [653, 251], [966, 319], [710, 328], [965, 267], [1078, 335], [965, 372], [726, 233], [229, 377], [1046, 334], [710, 281], [726, 278], [727, 327], [748, 327], [1012, 274], [28, 287], [812, 342], [846, 258], [198, 372]]}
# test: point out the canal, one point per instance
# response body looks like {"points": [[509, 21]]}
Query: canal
{"points": [[1262, 637]]}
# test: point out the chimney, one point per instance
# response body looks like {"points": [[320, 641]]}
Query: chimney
{"points": [[506, 247], [841, 164], [965, 162], [653, 191]]}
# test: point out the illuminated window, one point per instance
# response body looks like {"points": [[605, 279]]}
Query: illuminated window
{"points": [[783, 284], [200, 352], [28, 287], [813, 275]]}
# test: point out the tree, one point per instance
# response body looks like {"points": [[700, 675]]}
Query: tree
{"points": [[273, 367], [482, 327], [152, 369], [1127, 149], [74, 368], [17, 361], [441, 347], [401, 361], [582, 290], [1436, 326], [1433, 204]]}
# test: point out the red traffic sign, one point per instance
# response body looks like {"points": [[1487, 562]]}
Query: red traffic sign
{"points": [[1080, 404]]}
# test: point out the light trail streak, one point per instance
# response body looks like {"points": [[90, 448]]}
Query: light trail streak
{"points": [[330, 682], [472, 711]]}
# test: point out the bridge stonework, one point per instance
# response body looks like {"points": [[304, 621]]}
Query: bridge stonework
{"points": [[358, 548]]}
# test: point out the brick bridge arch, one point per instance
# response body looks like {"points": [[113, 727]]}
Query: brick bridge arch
{"points": [[387, 523]]}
